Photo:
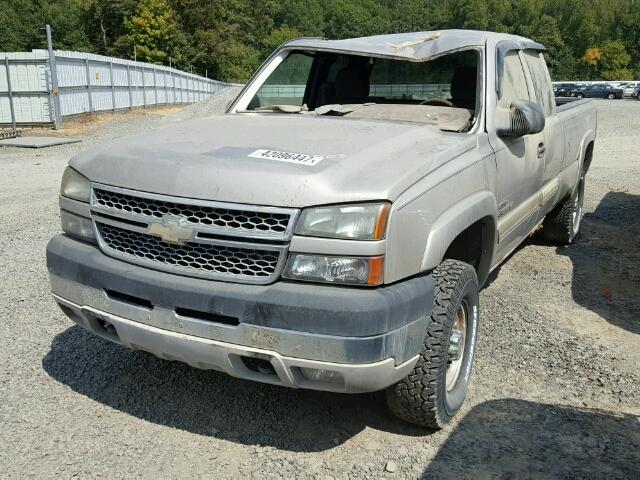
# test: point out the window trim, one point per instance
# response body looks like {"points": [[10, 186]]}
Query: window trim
{"points": [[503, 48]]}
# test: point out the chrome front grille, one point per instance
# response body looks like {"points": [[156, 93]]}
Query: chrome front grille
{"points": [[231, 219], [222, 241], [194, 257]]}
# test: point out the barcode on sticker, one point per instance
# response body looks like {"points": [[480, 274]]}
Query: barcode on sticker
{"points": [[290, 157]]}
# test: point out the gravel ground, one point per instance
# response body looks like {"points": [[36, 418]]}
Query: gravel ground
{"points": [[554, 394], [217, 104]]}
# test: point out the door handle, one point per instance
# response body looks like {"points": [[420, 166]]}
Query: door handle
{"points": [[541, 150]]}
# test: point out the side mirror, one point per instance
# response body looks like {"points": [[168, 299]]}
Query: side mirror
{"points": [[523, 118]]}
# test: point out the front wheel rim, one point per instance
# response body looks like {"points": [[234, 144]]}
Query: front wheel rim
{"points": [[457, 341]]}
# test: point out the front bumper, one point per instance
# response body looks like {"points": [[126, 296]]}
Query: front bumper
{"points": [[369, 338]]}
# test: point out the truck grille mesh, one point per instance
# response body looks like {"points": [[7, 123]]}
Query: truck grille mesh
{"points": [[245, 220], [191, 257]]}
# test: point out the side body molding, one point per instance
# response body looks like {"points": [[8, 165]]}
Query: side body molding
{"points": [[454, 221]]}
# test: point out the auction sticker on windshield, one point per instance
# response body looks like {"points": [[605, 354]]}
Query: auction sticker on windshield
{"points": [[290, 157]]}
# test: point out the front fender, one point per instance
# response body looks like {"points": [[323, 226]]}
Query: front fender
{"points": [[455, 220]]}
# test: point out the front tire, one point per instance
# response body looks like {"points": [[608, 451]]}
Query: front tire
{"points": [[611, 96], [435, 390], [562, 224]]}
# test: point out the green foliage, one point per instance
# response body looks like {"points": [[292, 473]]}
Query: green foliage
{"points": [[610, 62], [154, 32], [240, 61], [614, 62], [302, 15], [104, 22], [279, 36], [22, 25], [230, 38], [355, 18]]}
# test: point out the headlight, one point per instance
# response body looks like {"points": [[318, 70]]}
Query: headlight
{"points": [[334, 269], [79, 227], [366, 221], [75, 186]]}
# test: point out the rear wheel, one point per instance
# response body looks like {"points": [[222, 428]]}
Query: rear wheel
{"points": [[579, 95], [562, 224], [611, 96], [436, 388]]}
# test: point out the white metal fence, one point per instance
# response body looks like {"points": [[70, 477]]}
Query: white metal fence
{"points": [[380, 90], [84, 83], [270, 94]]}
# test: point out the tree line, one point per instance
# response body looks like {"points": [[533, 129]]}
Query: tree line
{"points": [[588, 40]]}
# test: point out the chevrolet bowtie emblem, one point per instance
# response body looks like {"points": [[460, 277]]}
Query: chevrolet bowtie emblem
{"points": [[171, 230]]}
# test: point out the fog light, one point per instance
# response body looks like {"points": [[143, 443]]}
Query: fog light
{"points": [[79, 227], [322, 376]]}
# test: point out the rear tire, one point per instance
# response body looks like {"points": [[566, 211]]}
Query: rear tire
{"points": [[436, 388], [562, 224], [611, 96]]}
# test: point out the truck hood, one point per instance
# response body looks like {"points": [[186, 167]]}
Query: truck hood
{"points": [[246, 158]]}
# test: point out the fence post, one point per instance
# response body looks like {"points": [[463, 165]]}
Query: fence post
{"points": [[155, 86], [173, 87], [113, 87], [52, 110], [86, 65], [144, 90], [165, 87], [55, 89], [129, 87], [10, 92]]}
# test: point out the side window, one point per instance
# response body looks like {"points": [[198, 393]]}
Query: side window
{"points": [[514, 83], [541, 81]]}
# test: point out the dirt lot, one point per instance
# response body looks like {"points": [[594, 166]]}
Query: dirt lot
{"points": [[555, 391]]}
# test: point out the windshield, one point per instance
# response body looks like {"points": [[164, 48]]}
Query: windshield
{"points": [[441, 91]]}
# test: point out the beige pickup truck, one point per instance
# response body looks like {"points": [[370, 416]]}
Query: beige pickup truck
{"points": [[332, 230]]}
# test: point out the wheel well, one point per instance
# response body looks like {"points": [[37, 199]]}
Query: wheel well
{"points": [[474, 246], [588, 156]]}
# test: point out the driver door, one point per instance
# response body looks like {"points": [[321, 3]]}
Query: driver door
{"points": [[519, 165]]}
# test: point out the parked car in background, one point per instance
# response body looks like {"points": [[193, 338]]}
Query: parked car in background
{"points": [[564, 89], [630, 89], [576, 88], [599, 90], [636, 93]]}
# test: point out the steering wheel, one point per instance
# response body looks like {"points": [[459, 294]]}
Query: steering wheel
{"points": [[437, 102]]}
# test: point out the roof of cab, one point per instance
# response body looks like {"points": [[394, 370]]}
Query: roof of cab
{"points": [[414, 46]]}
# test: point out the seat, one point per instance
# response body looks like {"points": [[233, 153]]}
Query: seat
{"points": [[463, 87], [352, 84]]}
